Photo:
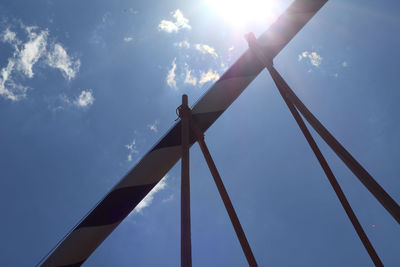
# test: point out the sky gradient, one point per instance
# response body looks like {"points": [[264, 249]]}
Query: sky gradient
{"points": [[87, 87]]}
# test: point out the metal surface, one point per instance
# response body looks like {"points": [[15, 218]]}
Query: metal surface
{"points": [[186, 242], [224, 195], [88, 234]]}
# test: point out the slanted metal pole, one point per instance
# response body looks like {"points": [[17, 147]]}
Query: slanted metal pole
{"points": [[331, 177], [186, 243], [365, 178], [224, 195], [279, 81]]}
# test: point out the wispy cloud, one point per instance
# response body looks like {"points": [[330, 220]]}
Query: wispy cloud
{"points": [[153, 126], [131, 10], [131, 149], [183, 44], [128, 39], [171, 75], [9, 37], [59, 59], [26, 55], [85, 99], [32, 50], [189, 78], [150, 196], [209, 76], [344, 64], [174, 26], [206, 49], [314, 57], [169, 198], [8, 88], [97, 36]]}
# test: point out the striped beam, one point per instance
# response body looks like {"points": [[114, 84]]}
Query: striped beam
{"points": [[123, 198]]}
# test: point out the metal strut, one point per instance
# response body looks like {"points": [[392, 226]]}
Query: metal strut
{"points": [[283, 89], [187, 120], [224, 195], [186, 239], [329, 174]]}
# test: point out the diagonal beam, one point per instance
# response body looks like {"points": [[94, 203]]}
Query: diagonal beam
{"points": [[98, 224]]}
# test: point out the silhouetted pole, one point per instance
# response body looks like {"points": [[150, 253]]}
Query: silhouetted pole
{"points": [[329, 174], [186, 243], [224, 195], [365, 178], [283, 90]]}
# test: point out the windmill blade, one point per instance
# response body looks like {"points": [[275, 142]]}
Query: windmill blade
{"points": [[80, 243]]}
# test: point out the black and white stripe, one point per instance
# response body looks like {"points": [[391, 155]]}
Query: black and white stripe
{"points": [[124, 197]]}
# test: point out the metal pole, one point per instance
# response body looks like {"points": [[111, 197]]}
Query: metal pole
{"points": [[331, 177], [365, 178], [224, 195], [186, 243]]}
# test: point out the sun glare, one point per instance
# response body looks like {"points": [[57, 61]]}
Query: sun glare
{"points": [[244, 12]]}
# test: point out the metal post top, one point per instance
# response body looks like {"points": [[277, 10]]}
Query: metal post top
{"points": [[184, 109], [184, 100]]}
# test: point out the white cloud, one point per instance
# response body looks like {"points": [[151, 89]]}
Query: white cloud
{"points": [[106, 18], [181, 21], [206, 49], [171, 75], [314, 58], [131, 149], [174, 26], [300, 57], [9, 37], [150, 196], [59, 59], [85, 99], [183, 44], [344, 64], [32, 51], [8, 88], [154, 126], [189, 79], [128, 39], [168, 199], [168, 26], [131, 10], [211, 75], [131, 146], [26, 55]]}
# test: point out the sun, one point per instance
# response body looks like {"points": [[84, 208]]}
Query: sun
{"points": [[245, 12]]}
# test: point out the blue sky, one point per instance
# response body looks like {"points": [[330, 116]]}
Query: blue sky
{"points": [[87, 87]]}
